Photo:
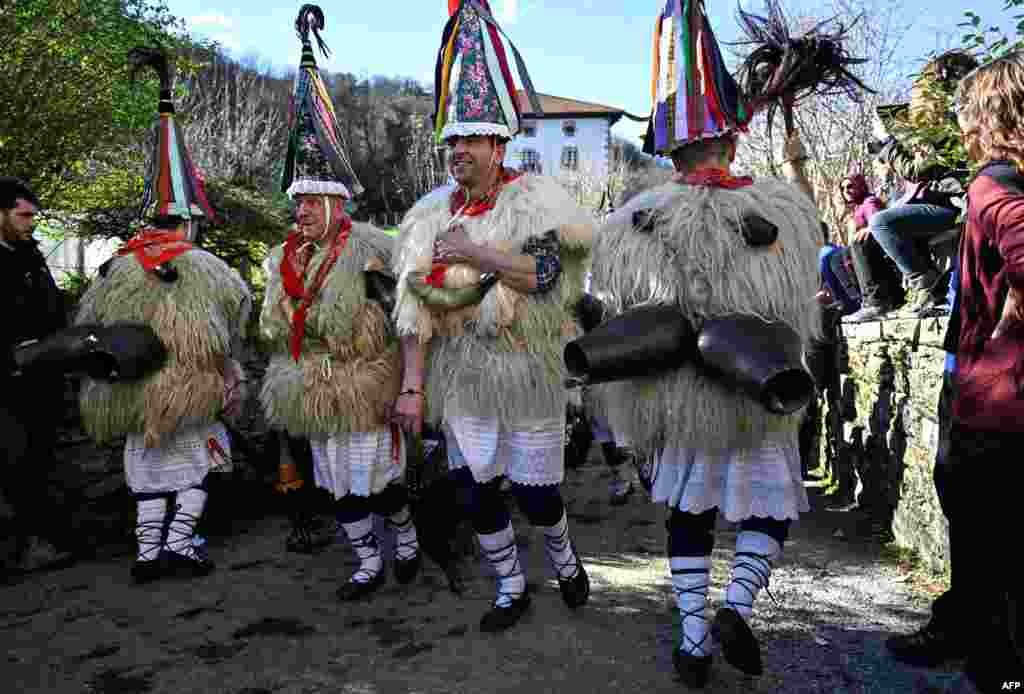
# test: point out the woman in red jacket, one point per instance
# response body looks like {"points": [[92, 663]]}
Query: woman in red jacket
{"points": [[987, 433]]}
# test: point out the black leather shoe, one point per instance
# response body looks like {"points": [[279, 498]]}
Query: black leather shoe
{"points": [[739, 645], [356, 590], [502, 618], [924, 648], [692, 670], [147, 571], [182, 566], [407, 569], [576, 590]]}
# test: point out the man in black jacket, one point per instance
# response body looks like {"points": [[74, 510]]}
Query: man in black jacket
{"points": [[30, 401]]}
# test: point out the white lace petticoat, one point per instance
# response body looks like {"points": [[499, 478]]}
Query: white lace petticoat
{"points": [[764, 482], [181, 461], [533, 453], [362, 464]]}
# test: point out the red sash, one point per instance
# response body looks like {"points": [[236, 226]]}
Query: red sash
{"points": [[294, 280]]}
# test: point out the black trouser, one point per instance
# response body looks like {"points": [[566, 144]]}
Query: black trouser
{"points": [[693, 534], [28, 431], [945, 609], [484, 504], [980, 481], [880, 280], [353, 508], [301, 454]]}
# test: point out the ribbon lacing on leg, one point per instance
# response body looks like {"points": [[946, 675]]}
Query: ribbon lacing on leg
{"points": [[366, 547], [761, 574], [405, 549], [499, 556], [565, 570], [145, 531], [697, 612]]}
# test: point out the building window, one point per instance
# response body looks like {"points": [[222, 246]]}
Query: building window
{"points": [[569, 128], [530, 160], [529, 130], [570, 158]]}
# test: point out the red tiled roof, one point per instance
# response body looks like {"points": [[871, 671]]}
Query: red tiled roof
{"points": [[555, 105]]}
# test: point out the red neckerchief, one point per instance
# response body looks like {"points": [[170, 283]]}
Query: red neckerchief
{"points": [[713, 178], [153, 247], [294, 280], [475, 208]]}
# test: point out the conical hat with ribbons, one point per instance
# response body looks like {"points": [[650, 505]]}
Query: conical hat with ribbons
{"points": [[317, 161]]}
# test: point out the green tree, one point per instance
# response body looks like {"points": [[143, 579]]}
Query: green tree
{"points": [[67, 93], [932, 132]]}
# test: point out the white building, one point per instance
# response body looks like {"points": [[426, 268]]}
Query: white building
{"points": [[570, 136], [73, 256]]}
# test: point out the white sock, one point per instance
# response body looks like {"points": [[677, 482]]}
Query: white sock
{"points": [[556, 542], [407, 546], [364, 542], [690, 578], [500, 550], [751, 570], [189, 508], [149, 527]]}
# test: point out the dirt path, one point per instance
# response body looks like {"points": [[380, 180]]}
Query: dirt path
{"points": [[268, 622]]}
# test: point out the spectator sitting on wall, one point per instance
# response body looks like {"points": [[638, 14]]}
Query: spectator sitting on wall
{"points": [[923, 211], [28, 400], [879, 279]]}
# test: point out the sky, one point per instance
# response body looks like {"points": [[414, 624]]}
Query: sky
{"points": [[591, 50]]}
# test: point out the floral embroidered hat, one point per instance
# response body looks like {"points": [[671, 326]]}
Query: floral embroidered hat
{"points": [[317, 162], [694, 95], [173, 185], [483, 101]]}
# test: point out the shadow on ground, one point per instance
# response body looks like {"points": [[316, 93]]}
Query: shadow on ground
{"points": [[268, 621]]}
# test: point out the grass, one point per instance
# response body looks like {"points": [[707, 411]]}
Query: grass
{"points": [[919, 576]]}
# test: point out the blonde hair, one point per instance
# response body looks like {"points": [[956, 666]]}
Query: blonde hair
{"points": [[992, 110]]}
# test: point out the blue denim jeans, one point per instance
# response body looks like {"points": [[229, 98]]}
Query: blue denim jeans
{"points": [[903, 231]]}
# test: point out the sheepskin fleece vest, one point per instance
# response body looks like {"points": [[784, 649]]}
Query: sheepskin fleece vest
{"points": [[348, 373], [200, 318], [502, 358], [695, 258]]}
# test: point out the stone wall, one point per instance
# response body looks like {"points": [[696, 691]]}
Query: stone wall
{"points": [[890, 396]]}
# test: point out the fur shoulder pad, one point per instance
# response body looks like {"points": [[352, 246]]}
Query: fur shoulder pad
{"points": [[545, 198], [376, 241]]}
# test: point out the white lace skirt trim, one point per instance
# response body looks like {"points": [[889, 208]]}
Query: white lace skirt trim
{"points": [[183, 459], [533, 453], [765, 482], [464, 129], [361, 464], [307, 186]]}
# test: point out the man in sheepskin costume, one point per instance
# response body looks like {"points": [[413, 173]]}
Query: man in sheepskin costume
{"points": [[198, 307], [487, 269], [336, 369], [699, 244]]}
